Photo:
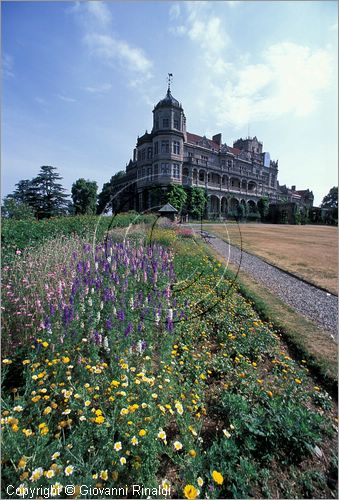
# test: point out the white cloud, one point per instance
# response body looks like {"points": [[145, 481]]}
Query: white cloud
{"points": [[98, 89], [112, 49], [334, 27], [7, 66], [100, 11], [174, 11], [65, 98]]}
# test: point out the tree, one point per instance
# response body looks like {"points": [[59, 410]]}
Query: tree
{"points": [[106, 195], [47, 196], [241, 211], [331, 199], [263, 207], [84, 196], [197, 202], [177, 196], [15, 209]]}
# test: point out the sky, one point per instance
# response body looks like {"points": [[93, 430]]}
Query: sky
{"points": [[80, 80]]}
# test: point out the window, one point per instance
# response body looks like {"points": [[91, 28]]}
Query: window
{"points": [[165, 123], [204, 158], [165, 169], [149, 173], [143, 154], [143, 173], [139, 155], [229, 163], [190, 154], [176, 123], [156, 123], [176, 147], [156, 148], [149, 153], [155, 170], [165, 146], [176, 171]]}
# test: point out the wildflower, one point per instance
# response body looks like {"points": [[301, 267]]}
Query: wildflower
{"points": [[142, 432], [192, 453], [7, 361], [49, 473], [99, 420], [47, 410], [66, 412], [22, 490], [55, 455], [82, 418], [200, 481], [87, 403], [104, 475], [22, 463], [27, 432], [269, 393], [177, 445], [69, 470], [162, 434], [226, 434], [217, 477], [123, 460], [297, 381], [190, 491], [118, 446], [36, 474], [56, 489], [45, 344], [134, 441], [65, 360]]}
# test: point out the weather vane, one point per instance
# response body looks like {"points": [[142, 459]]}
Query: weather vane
{"points": [[169, 79]]}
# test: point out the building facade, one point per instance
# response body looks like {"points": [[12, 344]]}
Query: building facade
{"points": [[169, 154]]}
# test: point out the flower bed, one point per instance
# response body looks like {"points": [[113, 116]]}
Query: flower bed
{"points": [[147, 367]]}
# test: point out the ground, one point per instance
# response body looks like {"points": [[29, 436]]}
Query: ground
{"points": [[309, 252]]}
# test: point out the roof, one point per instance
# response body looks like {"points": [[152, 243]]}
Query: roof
{"points": [[196, 139], [168, 100], [168, 209], [200, 140]]}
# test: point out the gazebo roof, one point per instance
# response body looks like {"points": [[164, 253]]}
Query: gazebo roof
{"points": [[168, 209]]}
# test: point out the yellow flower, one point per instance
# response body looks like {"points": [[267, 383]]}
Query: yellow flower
{"points": [[104, 475], [297, 381], [217, 477], [22, 463], [87, 403], [55, 455], [269, 393], [200, 481], [47, 410], [123, 460], [117, 446], [26, 362], [69, 470], [99, 420], [44, 431], [134, 441], [177, 445], [45, 344], [162, 434], [190, 491], [27, 432], [142, 432], [7, 361], [49, 473], [36, 474]]}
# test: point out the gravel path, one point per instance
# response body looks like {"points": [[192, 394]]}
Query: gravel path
{"points": [[308, 300]]}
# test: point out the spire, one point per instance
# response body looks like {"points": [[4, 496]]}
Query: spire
{"points": [[169, 80]]}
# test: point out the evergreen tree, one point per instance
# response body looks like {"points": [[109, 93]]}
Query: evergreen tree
{"points": [[47, 195], [84, 196]]}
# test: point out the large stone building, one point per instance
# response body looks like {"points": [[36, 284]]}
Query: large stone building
{"points": [[231, 175]]}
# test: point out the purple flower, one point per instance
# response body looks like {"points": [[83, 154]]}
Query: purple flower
{"points": [[129, 329], [121, 315]]}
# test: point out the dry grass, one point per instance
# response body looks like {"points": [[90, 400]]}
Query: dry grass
{"points": [[302, 335], [309, 252]]}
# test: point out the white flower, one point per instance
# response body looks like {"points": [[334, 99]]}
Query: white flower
{"points": [[226, 433]]}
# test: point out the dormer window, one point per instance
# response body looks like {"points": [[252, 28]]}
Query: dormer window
{"points": [[165, 123]]}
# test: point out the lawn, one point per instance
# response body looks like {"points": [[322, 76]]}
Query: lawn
{"points": [[139, 362], [309, 252]]}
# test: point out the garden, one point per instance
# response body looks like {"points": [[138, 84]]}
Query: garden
{"points": [[131, 358]]}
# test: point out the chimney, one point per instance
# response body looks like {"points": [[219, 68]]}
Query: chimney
{"points": [[293, 188], [217, 138]]}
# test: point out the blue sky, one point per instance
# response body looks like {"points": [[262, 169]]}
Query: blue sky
{"points": [[80, 79]]}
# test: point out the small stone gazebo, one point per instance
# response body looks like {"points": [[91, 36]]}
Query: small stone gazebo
{"points": [[168, 211]]}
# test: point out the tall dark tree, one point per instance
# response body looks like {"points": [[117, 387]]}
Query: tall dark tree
{"points": [[107, 193], [197, 202], [331, 199], [48, 197], [84, 196], [23, 191], [263, 207]]}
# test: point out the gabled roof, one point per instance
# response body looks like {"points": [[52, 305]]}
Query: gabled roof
{"points": [[196, 139], [168, 209]]}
